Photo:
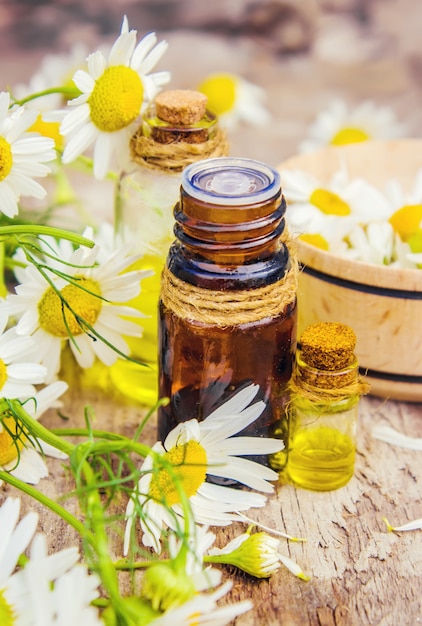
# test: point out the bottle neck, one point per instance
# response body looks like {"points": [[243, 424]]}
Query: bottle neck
{"points": [[326, 379], [229, 247]]}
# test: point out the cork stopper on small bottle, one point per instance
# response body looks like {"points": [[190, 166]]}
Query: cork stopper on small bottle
{"points": [[181, 106], [328, 346]]}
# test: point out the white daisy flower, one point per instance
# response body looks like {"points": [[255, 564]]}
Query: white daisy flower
{"points": [[114, 92], [22, 156], [340, 124], [196, 450], [315, 208], [256, 554], [234, 100], [52, 589], [203, 609], [95, 298], [56, 70], [197, 545], [21, 456], [405, 217], [171, 584]]}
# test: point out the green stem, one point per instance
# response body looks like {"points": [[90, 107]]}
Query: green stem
{"points": [[3, 288], [69, 92], [59, 233], [47, 502], [127, 565]]}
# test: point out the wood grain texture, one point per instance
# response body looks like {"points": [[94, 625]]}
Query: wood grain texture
{"points": [[360, 573]]}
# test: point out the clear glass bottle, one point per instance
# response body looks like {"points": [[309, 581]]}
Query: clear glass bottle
{"points": [[228, 297], [325, 390], [176, 130]]}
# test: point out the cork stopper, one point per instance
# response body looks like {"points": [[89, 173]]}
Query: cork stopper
{"points": [[328, 346], [181, 106]]}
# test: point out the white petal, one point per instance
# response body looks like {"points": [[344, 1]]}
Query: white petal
{"points": [[390, 435], [84, 81], [79, 142], [31, 467]]}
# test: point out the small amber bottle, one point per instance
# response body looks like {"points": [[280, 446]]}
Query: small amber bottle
{"points": [[325, 389], [176, 130], [228, 296]]}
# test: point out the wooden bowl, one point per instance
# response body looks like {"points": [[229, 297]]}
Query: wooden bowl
{"points": [[382, 304]]}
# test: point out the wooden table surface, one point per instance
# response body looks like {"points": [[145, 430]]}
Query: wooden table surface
{"points": [[359, 573]]}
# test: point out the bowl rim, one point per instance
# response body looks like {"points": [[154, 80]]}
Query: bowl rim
{"points": [[382, 276]]}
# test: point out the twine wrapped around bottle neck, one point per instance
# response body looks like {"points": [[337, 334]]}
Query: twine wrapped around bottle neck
{"points": [[228, 308], [300, 387], [175, 156]]}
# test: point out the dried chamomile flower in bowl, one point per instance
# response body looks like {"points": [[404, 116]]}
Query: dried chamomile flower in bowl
{"points": [[356, 214]]}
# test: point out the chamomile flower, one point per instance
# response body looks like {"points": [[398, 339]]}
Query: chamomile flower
{"points": [[315, 208], [85, 309], [114, 91], [22, 156], [340, 124], [21, 456], [203, 609], [56, 70], [405, 215], [52, 589], [194, 451], [235, 100], [256, 554]]}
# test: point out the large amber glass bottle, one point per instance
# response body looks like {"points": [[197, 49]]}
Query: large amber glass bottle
{"points": [[176, 131], [228, 295]]}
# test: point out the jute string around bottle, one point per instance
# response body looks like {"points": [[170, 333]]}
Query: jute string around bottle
{"points": [[300, 387], [228, 308], [175, 156]]}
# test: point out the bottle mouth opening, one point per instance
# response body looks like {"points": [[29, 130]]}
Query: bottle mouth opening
{"points": [[231, 181]]}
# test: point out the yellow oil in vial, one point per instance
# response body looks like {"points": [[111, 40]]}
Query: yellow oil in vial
{"points": [[321, 458]]}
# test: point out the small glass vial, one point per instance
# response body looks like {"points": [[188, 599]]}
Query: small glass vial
{"points": [[325, 389], [176, 131], [228, 296]]}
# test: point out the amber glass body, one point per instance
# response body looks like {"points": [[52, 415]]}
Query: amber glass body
{"points": [[226, 248]]}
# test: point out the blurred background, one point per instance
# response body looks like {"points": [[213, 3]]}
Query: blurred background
{"points": [[302, 53]]}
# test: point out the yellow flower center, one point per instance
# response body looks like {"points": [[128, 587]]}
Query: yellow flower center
{"points": [[349, 135], [47, 129], [11, 441], [220, 90], [329, 202], [6, 159], [58, 320], [315, 239], [116, 99], [7, 613], [407, 220], [189, 464]]}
